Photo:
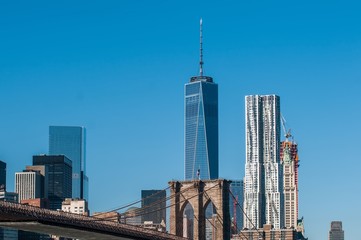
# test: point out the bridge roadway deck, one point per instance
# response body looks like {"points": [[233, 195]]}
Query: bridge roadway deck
{"points": [[29, 218]]}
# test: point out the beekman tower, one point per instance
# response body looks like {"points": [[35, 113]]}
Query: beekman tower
{"points": [[201, 125], [263, 183]]}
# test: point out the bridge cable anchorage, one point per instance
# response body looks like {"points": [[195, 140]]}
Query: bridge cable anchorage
{"points": [[244, 213]]}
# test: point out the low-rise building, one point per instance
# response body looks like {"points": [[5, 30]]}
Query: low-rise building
{"points": [[9, 196], [268, 233], [77, 206], [36, 202]]}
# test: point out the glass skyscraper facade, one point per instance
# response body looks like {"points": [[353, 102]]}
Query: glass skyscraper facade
{"points": [[70, 141], [201, 129], [152, 202], [59, 178], [2, 175], [236, 213]]}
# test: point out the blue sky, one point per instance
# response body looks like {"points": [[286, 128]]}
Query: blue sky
{"points": [[119, 68]]}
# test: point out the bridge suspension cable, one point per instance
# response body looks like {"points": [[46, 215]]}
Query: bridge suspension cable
{"points": [[135, 202], [245, 214]]}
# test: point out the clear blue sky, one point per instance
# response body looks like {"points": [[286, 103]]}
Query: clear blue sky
{"points": [[119, 68]]}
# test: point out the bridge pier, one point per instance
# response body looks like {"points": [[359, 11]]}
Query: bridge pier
{"points": [[199, 194]]}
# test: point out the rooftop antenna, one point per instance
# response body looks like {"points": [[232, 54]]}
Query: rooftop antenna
{"points": [[201, 49]]}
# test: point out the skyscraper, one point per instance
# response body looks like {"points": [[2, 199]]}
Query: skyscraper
{"points": [[263, 196], [70, 141], [59, 178], [2, 175], [289, 160], [154, 205], [336, 232], [43, 170], [201, 125], [28, 184]]}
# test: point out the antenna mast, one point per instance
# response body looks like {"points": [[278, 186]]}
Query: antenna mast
{"points": [[201, 49]]}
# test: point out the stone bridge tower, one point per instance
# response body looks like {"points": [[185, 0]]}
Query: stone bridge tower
{"points": [[199, 194]]}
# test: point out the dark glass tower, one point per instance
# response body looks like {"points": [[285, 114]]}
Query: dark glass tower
{"points": [[70, 141], [201, 125], [152, 202], [59, 178], [2, 175]]}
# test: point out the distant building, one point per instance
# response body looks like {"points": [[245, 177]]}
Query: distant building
{"points": [[290, 162], [267, 233], [2, 176], [59, 178], [132, 216], [336, 232], [78, 206], [160, 227], [108, 216], [201, 126], [8, 234], [43, 170], [25, 235], [9, 196], [263, 182], [301, 227], [28, 185], [236, 204], [154, 206], [36, 202], [71, 142], [210, 227]]}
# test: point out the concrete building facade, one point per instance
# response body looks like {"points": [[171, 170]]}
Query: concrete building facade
{"points": [[77, 206], [336, 232], [289, 160], [28, 185]]}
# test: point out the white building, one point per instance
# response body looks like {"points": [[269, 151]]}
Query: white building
{"points": [[77, 206], [28, 184], [263, 182]]}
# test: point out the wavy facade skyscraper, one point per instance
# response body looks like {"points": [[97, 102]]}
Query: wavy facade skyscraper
{"points": [[263, 196], [201, 125]]}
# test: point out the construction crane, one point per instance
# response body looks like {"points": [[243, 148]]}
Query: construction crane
{"points": [[287, 133]]}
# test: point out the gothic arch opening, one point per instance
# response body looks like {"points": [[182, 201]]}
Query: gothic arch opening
{"points": [[210, 214], [188, 220]]}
